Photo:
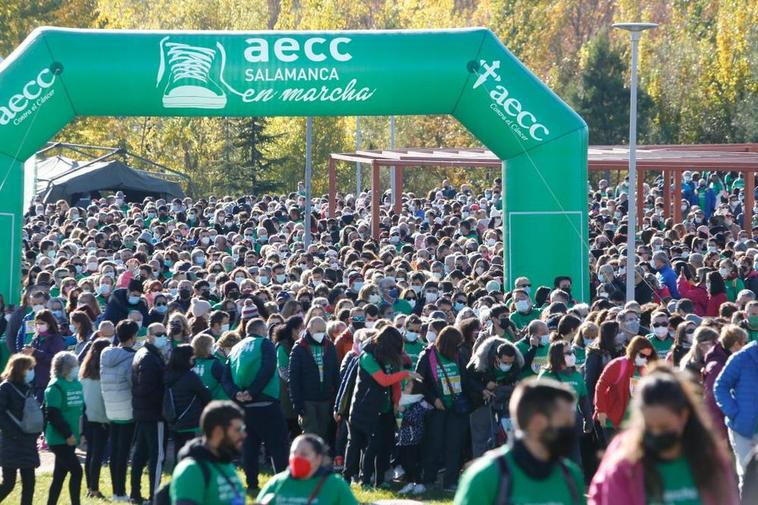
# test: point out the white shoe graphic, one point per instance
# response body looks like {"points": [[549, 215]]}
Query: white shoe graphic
{"points": [[189, 83]]}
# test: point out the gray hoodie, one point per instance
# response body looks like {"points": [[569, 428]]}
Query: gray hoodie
{"points": [[116, 382]]}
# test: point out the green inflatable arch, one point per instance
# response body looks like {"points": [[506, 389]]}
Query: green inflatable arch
{"points": [[58, 74]]}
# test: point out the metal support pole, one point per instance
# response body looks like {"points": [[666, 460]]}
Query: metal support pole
{"points": [[666, 194], [749, 200], [332, 186], [398, 180], [358, 170], [376, 199], [308, 178], [393, 181]]}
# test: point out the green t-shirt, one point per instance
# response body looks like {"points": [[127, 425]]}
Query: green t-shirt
{"points": [[282, 489], [282, 357], [68, 397], [402, 307], [539, 361], [222, 488], [678, 486], [752, 334], [733, 288], [581, 356], [370, 365], [662, 347], [317, 351], [453, 375], [413, 350], [573, 378], [481, 482], [204, 369], [522, 320]]}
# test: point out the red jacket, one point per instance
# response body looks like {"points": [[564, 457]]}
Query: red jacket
{"points": [[343, 344], [697, 294], [612, 391], [714, 303]]}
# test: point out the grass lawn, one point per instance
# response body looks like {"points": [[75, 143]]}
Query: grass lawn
{"points": [[44, 480]]}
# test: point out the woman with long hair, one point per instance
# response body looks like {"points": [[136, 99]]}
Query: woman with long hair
{"points": [[682, 342], [599, 353], [668, 454], [81, 329], [18, 449], [446, 387], [45, 344], [96, 425], [371, 421], [284, 338]]}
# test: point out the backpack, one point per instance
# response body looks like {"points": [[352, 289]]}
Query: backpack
{"points": [[163, 495], [505, 485], [32, 421], [169, 408]]}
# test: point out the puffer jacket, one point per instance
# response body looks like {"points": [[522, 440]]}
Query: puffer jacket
{"points": [[736, 390], [17, 449], [118, 307], [116, 382], [305, 383], [190, 398], [619, 481]]}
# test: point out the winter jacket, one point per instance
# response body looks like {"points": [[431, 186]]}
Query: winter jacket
{"points": [[94, 404], [751, 283], [45, 347], [481, 371], [622, 482], [594, 364], [252, 368], [736, 390], [17, 449], [190, 398], [15, 323], [612, 391], [371, 393], [343, 343], [118, 307], [714, 304], [116, 382], [714, 363], [348, 376], [698, 295], [433, 382], [147, 383], [305, 381]]}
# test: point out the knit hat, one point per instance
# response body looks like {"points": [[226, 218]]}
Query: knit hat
{"points": [[249, 312], [199, 308]]}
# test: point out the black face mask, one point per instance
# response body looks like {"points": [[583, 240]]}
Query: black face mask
{"points": [[184, 294], [359, 325], [660, 442], [559, 441]]}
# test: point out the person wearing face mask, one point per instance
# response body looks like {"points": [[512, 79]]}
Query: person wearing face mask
{"points": [[617, 384], [562, 368], [412, 344], [524, 312], [184, 394], [534, 347], [205, 473], [732, 339], [629, 326], [148, 370], [18, 449], [493, 373], [47, 342], [124, 300], [683, 338], [314, 378], [64, 404], [659, 336], [26, 327], [669, 453], [535, 468], [307, 478], [96, 423]]}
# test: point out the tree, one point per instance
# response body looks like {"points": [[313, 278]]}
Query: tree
{"points": [[253, 174], [601, 97]]}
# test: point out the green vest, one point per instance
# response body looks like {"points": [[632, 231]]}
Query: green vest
{"points": [[204, 369], [68, 397], [245, 361]]}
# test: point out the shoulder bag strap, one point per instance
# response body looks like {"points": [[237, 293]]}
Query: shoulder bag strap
{"points": [[447, 379], [505, 483], [570, 482], [317, 489]]}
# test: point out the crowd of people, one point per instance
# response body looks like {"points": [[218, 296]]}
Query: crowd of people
{"points": [[196, 337]]}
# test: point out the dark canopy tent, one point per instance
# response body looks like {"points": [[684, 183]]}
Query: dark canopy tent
{"points": [[60, 177]]}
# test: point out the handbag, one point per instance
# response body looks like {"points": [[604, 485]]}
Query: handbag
{"points": [[32, 421], [461, 404]]}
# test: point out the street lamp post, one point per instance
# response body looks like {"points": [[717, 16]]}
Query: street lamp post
{"points": [[635, 29]]}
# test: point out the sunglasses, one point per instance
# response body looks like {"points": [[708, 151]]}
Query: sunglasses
{"points": [[643, 355], [660, 325]]}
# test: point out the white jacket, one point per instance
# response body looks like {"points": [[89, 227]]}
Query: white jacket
{"points": [[93, 401], [116, 382]]}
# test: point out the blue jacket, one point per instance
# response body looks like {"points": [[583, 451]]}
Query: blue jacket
{"points": [[736, 391], [667, 276]]}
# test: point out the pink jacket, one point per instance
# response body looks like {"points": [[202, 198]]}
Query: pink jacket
{"points": [[620, 482]]}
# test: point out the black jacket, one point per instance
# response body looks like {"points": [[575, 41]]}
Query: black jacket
{"points": [[147, 384], [190, 395], [348, 376], [304, 381], [368, 398], [594, 365], [17, 449], [432, 384], [118, 307]]}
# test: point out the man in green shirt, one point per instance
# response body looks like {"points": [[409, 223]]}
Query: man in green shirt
{"points": [[534, 347], [525, 313], [659, 334], [752, 320], [535, 471], [205, 474]]}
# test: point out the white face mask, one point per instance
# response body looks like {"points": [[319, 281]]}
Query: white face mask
{"points": [[724, 272], [639, 361], [570, 360], [370, 324], [160, 342], [374, 298], [523, 305], [318, 337], [224, 328], [505, 367], [661, 331], [411, 336], [431, 297], [545, 339], [431, 337]]}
